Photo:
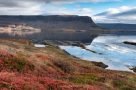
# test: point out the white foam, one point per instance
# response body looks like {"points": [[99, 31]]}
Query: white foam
{"points": [[39, 45], [115, 54]]}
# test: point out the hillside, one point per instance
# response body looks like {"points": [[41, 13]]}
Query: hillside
{"points": [[25, 67], [55, 27]]}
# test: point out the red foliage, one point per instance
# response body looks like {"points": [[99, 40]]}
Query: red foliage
{"points": [[5, 54], [42, 57], [23, 81], [1, 61], [18, 81]]}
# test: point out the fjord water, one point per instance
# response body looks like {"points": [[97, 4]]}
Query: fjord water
{"points": [[107, 49], [110, 50]]}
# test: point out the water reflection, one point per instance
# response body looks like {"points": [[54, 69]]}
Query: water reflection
{"points": [[20, 30]]}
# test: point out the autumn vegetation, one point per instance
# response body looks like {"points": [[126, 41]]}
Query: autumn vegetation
{"points": [[25, 67]]}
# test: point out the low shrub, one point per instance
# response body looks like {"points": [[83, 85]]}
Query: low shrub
{"points": [[20, 64], [17, 64], [6, 86], [65, 66]]}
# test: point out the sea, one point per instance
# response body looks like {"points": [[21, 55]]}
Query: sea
{"points": [[108, 49]]}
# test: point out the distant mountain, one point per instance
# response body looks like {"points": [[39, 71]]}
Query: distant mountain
{"points": [[56, 27], [119, 29], [118, 26]]}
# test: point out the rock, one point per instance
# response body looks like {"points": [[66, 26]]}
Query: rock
{"points": [[133, 68], [100, 64], [130, 43]]}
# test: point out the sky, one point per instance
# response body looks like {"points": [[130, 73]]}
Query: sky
{"points": [[101, 11]]}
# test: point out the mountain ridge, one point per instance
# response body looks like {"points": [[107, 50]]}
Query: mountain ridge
{"points": [[58, 27]]}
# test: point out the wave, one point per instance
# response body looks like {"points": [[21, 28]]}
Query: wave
{"points": [[110, 50]]}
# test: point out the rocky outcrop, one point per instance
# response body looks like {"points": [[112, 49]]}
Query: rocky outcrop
{"points": [[100, 64], [133, 68], [130, 43]]}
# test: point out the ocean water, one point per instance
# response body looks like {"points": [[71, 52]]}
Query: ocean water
{"points": [[108, 49]]}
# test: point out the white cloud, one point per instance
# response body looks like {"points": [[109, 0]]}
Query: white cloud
{"points": [[33, 7], [19, 8], [118, 10], [44, 7], [57, 10], [21, 11], [72, 1], [123, 14]]}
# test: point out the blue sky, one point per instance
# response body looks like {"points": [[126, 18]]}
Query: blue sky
{"points": [[101, 11], [101, 6]]}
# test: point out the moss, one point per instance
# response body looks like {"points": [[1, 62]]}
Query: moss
{"points": [[122, 85], [132, 79], [127, 88], [86, 79], [18, 64]]}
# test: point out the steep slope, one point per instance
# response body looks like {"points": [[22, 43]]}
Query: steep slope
{"points": [[25, 67], [54, 21]]}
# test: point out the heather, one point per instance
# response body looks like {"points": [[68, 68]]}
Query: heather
{"points": [[25, 67]]}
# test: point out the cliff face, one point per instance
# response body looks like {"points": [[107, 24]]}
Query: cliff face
{"points": [[63, 28], [54, 19]]}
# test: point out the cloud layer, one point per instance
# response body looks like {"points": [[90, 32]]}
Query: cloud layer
{"points": [[18, 3], [122, 14], [42, 7]]}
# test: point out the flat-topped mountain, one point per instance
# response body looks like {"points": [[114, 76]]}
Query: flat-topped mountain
{"points": [[82, 22], [56, 27]]}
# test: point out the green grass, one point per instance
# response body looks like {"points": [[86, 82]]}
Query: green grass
{"points": [[123, 85], [86, 79]]}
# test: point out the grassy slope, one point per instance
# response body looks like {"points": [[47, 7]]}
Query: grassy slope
{"points": [[24, 67]]}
